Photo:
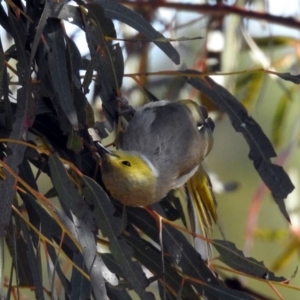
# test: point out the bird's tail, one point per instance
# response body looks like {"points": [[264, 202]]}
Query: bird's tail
{"points": [[204, 206]]}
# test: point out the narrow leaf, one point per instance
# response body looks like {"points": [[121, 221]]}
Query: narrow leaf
{"points": [[17, 247], [48, 221], [289, 77], [93, 261], [55, 261], [23, 120], [110, 227], [4, 91], [67, 193], [80, 286], [67, 12], [235, 258], [224, 293], [34, 264], [57, 65], [39, 30], [108, 59], [178, 248], [261, 149], [150, 257], [117, 11]]}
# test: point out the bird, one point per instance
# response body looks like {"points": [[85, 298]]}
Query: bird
{"points": [[162, 149]]}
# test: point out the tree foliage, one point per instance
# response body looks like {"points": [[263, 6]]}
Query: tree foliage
{"points": [[86, 242]]}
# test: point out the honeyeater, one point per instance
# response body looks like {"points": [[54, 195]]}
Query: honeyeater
{"points": [[162, 149]]}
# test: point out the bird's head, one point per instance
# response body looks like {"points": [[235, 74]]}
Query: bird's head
{"points": [[129, 177]]}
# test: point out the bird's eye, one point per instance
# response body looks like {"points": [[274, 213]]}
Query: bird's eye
{"points": [[126, 163], [200, 126]]}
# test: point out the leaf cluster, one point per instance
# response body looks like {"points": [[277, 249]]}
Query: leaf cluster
{"points": [[47, 126]]}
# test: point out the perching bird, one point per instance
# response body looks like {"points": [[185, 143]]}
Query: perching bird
{"points": [[162, 148]]}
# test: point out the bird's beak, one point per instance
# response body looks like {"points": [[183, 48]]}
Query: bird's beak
{"points": [[210, 124], [102, 150]]}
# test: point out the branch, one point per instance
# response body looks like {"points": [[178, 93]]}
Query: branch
{"points": [[216, 10]]}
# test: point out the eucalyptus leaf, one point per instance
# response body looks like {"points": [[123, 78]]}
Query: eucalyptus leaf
{"points": [[234, 258], [261, 149]]}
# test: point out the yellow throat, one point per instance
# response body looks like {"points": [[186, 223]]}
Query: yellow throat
{"points": [[130, 178]]}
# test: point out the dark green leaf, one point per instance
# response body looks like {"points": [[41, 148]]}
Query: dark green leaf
{"points": [[26, 173], [88, 76], [93, 261], [67, 12], [177, 246], [57, 269], [108, 59], [74, 62], [111, 263], [19, 34], [115, 10], [289, 77], [4, 91], [23, 120], [34, 264], [81, 287], [261, 149], [39, 30], [17, 247], [235, 259], [164, 293], [49, 222], [114, 293], [51, 193], [189, 260], [152, 260], [67, 193], [110, 227], [57, 65], [223, 293]]}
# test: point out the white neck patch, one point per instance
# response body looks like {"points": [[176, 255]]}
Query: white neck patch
{"points": [[183, 179], [150, 165]]}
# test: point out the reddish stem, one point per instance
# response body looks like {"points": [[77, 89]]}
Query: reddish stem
{"points": [[217, 10]]}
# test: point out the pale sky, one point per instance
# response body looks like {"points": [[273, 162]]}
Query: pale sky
{"points": [[285, 8]]}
